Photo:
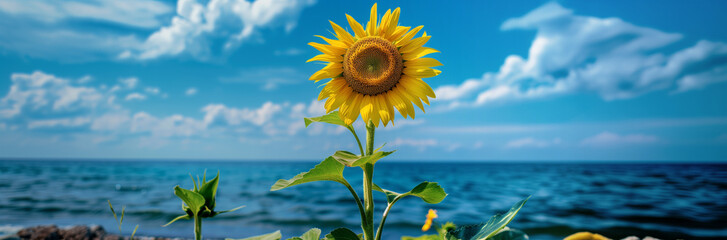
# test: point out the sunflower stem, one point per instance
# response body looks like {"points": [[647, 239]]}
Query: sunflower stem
{"points": [[368, 175], [353, 131], [197, 227]]}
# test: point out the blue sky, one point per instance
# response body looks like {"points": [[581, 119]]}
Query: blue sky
{"points": [[522, 80]]}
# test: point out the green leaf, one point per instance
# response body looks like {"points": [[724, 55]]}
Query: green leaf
{"points": [[342, 234], [352, 160], [112, 210], [489, 229], [422, 237], [134, 232], [373, 158], [185, 217], [347, 158], [270, 236], [208, 190], [332, 118], [226, 211], [510, 234], [312, 234], [194, 200], [430, 192], [328, 170]]}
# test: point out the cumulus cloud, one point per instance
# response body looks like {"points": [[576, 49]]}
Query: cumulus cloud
{"points": [[532, 142], [49, 29], [190, 92], [605, 139], [41, 94], [196, 25], [608, 56], [44, 102], [135, 96], [137, 13], [136, 28]]}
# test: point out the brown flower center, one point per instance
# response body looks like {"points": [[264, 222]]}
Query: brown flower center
{"points": [[372, 66]]}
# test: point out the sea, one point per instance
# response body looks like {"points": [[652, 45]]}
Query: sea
{"points": [[662, 200]]}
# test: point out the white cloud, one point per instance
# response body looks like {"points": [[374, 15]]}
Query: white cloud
{"points": [[60, 122], [231, 21], [175, 125], [48, 29], [190, 92], [41, 94], [136, 13], [152, 90], [135, 96], [532, 142], [129, 83], [605, 139], [219, 113], [608, 56]]}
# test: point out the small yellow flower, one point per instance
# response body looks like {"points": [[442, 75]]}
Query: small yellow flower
{"points": [[586, 236], [430, 216]]}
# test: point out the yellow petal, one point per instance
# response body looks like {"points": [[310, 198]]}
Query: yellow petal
{"points": [[421, 72], [371, 26], [417, 53], [384, 23], [333, 42], [326, 58], [375, 117], [396, 102], [422, 62], [357, 28], [400, 31], [414, 99], [330, 71], [353, 110], [334, 87], [405, 99], [414, 44], [393, 21], [342, 34], [328, 49], [408, 36], [367, 108], [338, 99], [415, 88], [384, 112]]}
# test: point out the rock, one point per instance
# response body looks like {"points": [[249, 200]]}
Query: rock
{"points": [[50, 232]]}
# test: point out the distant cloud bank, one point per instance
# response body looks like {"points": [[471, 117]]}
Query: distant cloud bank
{"points": [[607, 56]]}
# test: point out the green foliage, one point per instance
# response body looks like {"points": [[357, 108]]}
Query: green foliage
{"points": [[270, 236], [510, 234], [489, 229], [342, 234], [199, 202], [430, 192], [328, 170], [312, 234], [352, 160], [331, 118], [120, 221]]}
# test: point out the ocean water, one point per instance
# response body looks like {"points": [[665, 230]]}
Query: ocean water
{"points": [[668, 201]]}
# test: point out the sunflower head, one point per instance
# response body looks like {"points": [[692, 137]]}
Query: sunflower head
{"points": [[375, 70]]}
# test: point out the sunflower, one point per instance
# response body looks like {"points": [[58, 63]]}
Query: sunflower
{"points": [[377, 69]]}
